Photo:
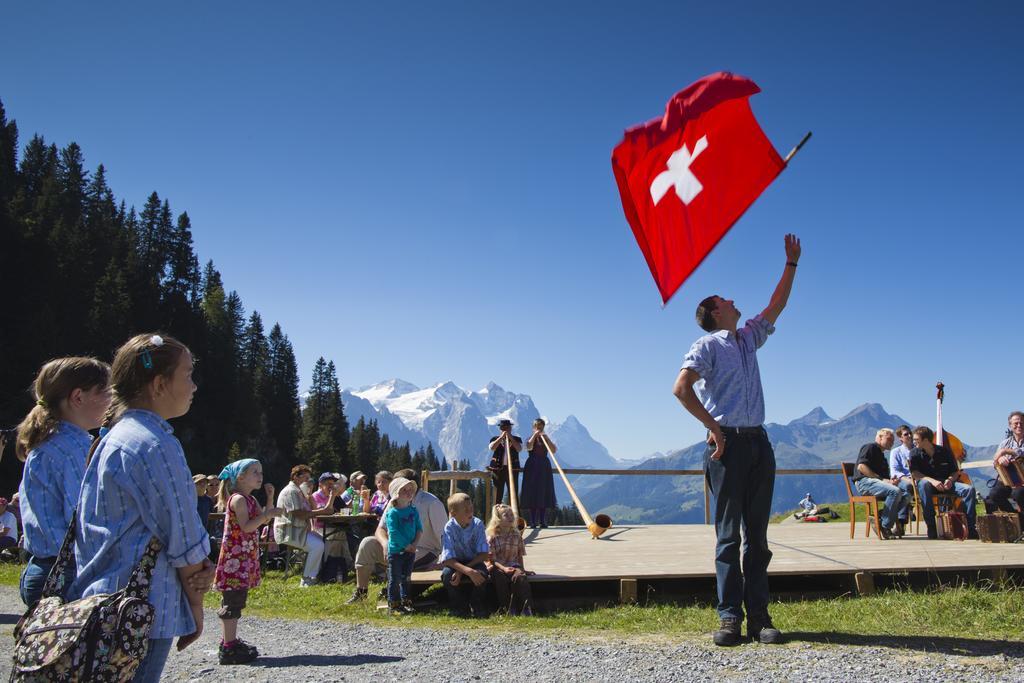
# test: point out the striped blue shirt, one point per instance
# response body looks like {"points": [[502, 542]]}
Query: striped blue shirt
{"points": [[462, 544], [730, 380], [49, 488], [138, 485]]}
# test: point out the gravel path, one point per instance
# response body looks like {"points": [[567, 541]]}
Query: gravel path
{"points": [[308, 651]]}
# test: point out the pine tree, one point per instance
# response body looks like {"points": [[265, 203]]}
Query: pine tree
{"points": [[325, 442], [254, 350], [280, 393], [8, 159]]}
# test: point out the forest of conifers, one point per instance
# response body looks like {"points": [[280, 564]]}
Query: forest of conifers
{"points": [[81, 271]]}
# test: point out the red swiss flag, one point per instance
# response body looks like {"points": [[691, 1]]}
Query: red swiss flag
{"points": [[687, 177]]}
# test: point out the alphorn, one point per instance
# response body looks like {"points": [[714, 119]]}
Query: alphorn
{"points": [[596, 526], [513, 496]]}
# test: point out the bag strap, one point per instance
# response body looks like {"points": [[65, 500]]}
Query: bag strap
{"points": [[56, 579], [139, 581]]}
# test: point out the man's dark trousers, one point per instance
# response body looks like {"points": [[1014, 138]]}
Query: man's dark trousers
{"points": [[742, 483]]}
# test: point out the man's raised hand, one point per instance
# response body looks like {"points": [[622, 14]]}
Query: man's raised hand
{"points": [[792, 248]]}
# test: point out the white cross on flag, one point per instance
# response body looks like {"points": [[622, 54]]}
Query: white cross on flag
{"points": [[679, 174]]}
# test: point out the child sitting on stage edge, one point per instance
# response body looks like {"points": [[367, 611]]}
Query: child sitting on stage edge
{"points": [[404, 527], [507, 570], [238, 567], [464, 554]]}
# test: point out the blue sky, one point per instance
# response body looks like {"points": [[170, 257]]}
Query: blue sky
{"points": [[423, 190]]}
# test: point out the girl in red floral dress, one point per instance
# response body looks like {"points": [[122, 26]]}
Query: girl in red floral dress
{"points": [[238, 567]]}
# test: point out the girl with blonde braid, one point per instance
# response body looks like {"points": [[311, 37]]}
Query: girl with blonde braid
{"points": [[71, 395], [507, 569]]}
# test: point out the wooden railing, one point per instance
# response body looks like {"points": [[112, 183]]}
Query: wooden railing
{"points": [[469, 475]]}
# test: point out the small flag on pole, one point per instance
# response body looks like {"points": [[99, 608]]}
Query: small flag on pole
{"points": [[687, 177]]}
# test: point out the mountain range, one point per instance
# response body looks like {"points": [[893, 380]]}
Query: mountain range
{"points": [[460, 423], [813, 441]]}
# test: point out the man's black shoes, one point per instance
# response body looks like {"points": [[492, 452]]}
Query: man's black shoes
{"points": [[728, 632], [762, 630]]}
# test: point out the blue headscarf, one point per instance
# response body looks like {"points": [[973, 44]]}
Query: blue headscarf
{"points": [[233, 469]]}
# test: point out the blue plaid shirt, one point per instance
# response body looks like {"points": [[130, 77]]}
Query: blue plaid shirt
{"points": [[730, 380], [49, 488], [462, 544], [137, 486]]}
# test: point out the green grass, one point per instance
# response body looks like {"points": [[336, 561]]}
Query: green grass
{"points": [[842, 509], [9, 573], [898, 616]]}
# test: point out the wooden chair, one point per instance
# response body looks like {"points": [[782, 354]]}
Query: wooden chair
{"points": [[951, 501], [869, 501], [918, 511], [294, 558]]}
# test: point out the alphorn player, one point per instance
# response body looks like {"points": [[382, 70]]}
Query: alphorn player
{"points": [[720, 385], [498, 466]]}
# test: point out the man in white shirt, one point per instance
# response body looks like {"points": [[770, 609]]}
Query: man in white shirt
{"points": [[371, 556], [899, 466]]}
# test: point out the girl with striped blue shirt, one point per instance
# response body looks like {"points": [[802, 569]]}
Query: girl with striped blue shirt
{"points": [[137, 485], [71, 395]]}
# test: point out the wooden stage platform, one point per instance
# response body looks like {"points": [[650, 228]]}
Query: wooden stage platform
{"points": [[686, 551]]}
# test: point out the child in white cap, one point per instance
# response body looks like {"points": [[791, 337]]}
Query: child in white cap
{"points": [[404, 530]]}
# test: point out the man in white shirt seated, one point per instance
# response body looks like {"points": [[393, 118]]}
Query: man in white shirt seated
{"points": [[371, 556]]}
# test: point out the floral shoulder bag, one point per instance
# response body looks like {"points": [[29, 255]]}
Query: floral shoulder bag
{"points": [[100, 638]]}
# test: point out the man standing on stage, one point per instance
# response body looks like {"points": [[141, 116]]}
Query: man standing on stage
{"points": [[720, 385]]}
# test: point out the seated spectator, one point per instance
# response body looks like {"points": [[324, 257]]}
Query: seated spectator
{"points": [[371, 558], [935, 470], [464, 554], [357, 482], [292, 528], [337, 556], [872, 478], [1011, 448], [380, 497], [8, 527], [204, 504], [508, 569], [899, 468]]}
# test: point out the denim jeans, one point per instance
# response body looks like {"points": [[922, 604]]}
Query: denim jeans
{"points": [[895, 500], [742, 483], [33, 578], [907, 486], [153, 665], [963, 491], [399, 573]]}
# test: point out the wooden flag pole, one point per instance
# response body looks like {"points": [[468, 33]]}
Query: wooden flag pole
{"points": [[796, 149], [596, 527]]}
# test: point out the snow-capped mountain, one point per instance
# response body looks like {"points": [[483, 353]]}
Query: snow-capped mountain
{"points": [[460, 423], [576, 445], [810, 442]]}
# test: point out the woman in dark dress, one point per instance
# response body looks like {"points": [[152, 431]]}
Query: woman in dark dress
{"points": [[538, 482]]}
